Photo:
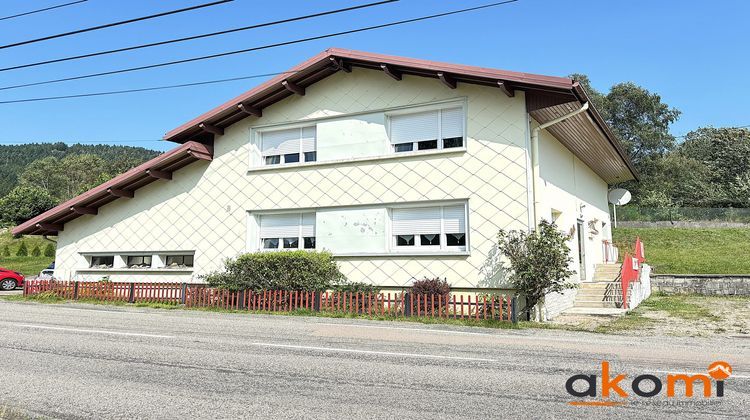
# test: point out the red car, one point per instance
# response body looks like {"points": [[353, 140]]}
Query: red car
{"points": [[9, 279]]}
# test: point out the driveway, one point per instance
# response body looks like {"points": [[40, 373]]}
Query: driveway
{"points": [[81, 361]]}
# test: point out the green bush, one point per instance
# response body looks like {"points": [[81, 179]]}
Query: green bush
{"points": [[23, 250], [282, 270], [36, 252], [6, 251], [49, 250]]}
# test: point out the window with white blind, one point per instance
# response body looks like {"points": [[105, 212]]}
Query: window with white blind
{"points": [[291, 145], [425, 130], [437, 228], [287, 231]]}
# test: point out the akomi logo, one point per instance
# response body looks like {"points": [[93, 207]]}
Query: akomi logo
{"points": [[647, 385]]}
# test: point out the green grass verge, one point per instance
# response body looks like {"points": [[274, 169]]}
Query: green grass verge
{"points": [[679, 306], [690, 251], [27, 265]]}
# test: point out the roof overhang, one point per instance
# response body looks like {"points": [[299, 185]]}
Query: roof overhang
{"points": [[547, 97], [122, 186]]}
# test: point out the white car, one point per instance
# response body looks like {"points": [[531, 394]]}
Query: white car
{"points": [[46, 274]]}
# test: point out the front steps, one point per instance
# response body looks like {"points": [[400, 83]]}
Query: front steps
{"points": [[603, 295]]}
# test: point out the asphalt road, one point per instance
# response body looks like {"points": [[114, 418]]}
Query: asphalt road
{"points": [[80, 361]]}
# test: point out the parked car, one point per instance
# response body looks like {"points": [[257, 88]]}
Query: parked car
{"points": [[46, 274], [10, 279]]}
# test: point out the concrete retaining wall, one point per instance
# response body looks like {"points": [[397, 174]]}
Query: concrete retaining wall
{"points": [[702, 284]]}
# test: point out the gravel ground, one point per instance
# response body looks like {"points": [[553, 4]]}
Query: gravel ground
{"points": [[86, 361]]}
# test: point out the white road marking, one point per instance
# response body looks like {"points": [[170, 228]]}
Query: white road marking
{"points": [[373, 352], [677, 372], [47, 327], [576, 340]]}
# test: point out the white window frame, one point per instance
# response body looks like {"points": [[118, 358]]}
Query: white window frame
{"points": [[418, 247], [301, 153], [300, 238], [416, 110]]}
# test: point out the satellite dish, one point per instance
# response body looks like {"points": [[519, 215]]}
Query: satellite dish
{"points": [[619, 196]]}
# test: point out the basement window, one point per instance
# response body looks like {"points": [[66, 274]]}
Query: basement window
{"points": [[139, 261], [179, 261], [102, 261]]}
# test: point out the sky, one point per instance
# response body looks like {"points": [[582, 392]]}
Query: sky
{"points": [[692, 53]]}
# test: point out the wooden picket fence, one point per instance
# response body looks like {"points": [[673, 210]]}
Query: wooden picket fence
{"points": [[477, 306]]}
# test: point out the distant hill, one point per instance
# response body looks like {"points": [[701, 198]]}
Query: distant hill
{"points": [[15, 158]]}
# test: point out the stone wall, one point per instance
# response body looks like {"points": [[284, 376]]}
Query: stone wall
{"points": [[702, 284]]}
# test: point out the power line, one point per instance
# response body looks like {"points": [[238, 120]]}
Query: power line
{"points": [[109, 25], [190, 38], [42, 10], [15, 143], [263, 47], [146, 89]]}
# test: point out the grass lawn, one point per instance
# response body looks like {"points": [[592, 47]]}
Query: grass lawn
{"points": [[27, 265], [690, 251]]}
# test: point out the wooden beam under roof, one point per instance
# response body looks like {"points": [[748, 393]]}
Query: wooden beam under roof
{"points": [[293, 87], [339, 64], [507, 88], [447, 79], [155, 173], [84, 210], [389, 70], [50, 226], [209, 128], [250, 110], [121, 193]]}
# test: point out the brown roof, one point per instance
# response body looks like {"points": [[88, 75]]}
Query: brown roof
{"points": [[547, 97], [124, 185]]}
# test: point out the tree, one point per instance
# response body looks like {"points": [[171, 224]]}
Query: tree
{"points": [[23, 251], [65, 178], [49, 250], [6, 251], [539, 262], [23, 203], [36, 252], [725, 152]]}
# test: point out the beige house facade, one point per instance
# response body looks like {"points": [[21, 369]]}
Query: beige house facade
{"points": [[401, 168]]}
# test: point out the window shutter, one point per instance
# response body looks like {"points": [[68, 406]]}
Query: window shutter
{"points": [[308, 139], [422, 220], [454, 219], [280, 142], [308, 224], [414, 127], [279, 226], [452, 123]]}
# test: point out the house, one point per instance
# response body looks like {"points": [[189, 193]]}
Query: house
{"points": [[402, 168]]}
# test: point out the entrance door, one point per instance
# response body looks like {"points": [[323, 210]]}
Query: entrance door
{"points": [[581, 251]]}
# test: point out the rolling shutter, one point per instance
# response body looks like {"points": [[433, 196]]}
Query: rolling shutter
{"points": [[279, 226], [414, 127], [423, 220], [454, 219], [308, 225], [308, 139], [282, 142], [452, 123]]}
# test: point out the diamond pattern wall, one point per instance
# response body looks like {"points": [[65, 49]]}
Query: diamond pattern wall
{"points": [[204, 208]]}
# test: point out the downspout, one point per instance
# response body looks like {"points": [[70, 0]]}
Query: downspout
{"points": [[535, 157]]}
